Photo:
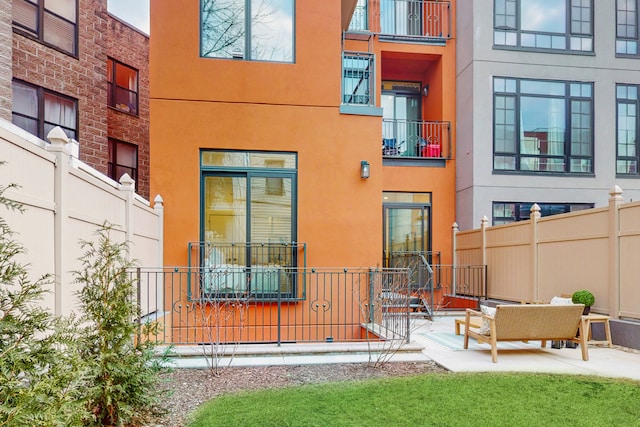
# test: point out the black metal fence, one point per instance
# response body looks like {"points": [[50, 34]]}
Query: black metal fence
{"points": [[281, 304]]}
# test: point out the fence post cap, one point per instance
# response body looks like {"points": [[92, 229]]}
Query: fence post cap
{"points": [[616, 192], [158, 200], [57, 136], [127, 182]]}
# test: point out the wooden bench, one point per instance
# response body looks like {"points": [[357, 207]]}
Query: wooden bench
{"points": [[544, 322]]}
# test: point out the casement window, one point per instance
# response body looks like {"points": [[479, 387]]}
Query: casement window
{"points": [[542, 126], [38, 110], [123, 158], [255, 30], [53, 22], [544, 24], [507, 212], [627, 129], [627, 27], [122, 89]]}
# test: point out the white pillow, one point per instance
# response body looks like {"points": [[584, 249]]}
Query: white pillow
{"points": [[560, 301], [485, 329]]}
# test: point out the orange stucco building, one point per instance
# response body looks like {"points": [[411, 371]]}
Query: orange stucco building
{"points": [[299, 104], [265, 115]]}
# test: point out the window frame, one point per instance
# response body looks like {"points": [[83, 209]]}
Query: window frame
{"points": [[350, 95], [273, 169], [518, 209], [112, 162], [636, 127], [622, 40], [112, 91], [41, 122], [248, 45], [567, 154], [38, 33], [569, 35]]}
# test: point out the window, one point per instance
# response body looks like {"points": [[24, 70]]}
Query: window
{"points": [[260, 30], [542, 126], [123, 158], [507, 212], [357, 78], [627, 129], [38, 110], [544, 24], [627, 27], [248, 201], [53, 22], [122, 91]]}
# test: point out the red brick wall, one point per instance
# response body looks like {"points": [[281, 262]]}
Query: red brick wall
{"points": [[131, 47], [83, 78], [5, 60]]}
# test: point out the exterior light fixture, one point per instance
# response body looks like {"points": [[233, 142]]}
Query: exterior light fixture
{"points": [[364, 169], [425, 90]]}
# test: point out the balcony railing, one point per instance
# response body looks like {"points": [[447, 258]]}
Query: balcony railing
{"points": [[417, 139], [416, 20], [331, 305], [360, 17]]}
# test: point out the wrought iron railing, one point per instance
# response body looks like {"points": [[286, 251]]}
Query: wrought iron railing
{"points": [[412, 138], [329, 305], [416, 19], [228, 269], [358, 82], [360, 17], [461, 281]]}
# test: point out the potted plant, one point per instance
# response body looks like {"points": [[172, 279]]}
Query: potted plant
{"points": [[584, 297]]}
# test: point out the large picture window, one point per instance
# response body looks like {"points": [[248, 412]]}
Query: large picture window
{"points": [[122, 89], [260, 30], [627, 129], [53, 22], [38, 110], [544, 24], [627, 27], [542, 126], [248, 223]]}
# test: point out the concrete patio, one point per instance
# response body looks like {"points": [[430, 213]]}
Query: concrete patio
{"points": [[444, 347], [435, 340]]}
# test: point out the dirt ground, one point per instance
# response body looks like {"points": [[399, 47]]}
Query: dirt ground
{"points": [[192, 387]]}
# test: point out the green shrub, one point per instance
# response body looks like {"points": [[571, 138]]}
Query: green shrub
{"points": [[41, 374], [123, 370], [583, 297]]}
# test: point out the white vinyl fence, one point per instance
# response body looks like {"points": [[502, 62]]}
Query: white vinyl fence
{"points": [[67, 201]]}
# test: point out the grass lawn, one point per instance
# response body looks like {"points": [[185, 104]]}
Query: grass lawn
{"points": [[435, 400]]}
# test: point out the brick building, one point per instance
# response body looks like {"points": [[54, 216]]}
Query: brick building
{"points": [[75, 66]]}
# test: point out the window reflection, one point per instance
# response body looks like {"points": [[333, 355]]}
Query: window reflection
{"points": [[247, 29]]}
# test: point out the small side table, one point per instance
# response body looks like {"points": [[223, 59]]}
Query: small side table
{"points": [[588, 319], [474, 322]]}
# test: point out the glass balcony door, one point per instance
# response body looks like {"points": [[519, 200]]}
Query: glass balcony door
{"points": [[406, 229], [402, 17], [401, 115], [247, 208]]}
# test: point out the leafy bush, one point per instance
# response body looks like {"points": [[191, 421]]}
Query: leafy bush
{"points": [[123, 369], [583, 297], [41, 374]]}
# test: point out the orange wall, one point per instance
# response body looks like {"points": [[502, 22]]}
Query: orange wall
{"points": [[234, 104]]}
